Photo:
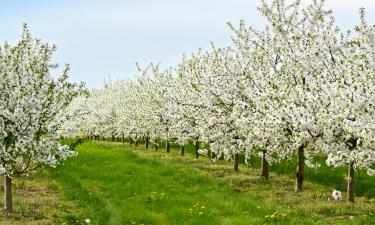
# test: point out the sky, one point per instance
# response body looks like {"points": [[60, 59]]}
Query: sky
{"points": [[106, 38]]}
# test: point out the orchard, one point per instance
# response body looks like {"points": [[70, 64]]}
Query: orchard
{"points": [[299, 88]]}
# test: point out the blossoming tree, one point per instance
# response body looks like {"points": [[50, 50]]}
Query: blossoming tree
{"points": [[32, 109]]}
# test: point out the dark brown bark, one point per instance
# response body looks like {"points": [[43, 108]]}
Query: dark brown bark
{"points": [[8, 199], [156, 145], [146, 143], [350, 189], [130, 140], [235, 162], [265, 166], [123, 137], [182, 150], [168, 146], [213, 155], [196, 149], [136, 143], [300, 169]]}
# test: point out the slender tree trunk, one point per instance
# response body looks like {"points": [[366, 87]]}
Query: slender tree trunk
{"points": [[123, 137], [196, 149], [130, 140], [146, 143], [235, 162], [351, 183], [182, 150], [136, 143], [8, 200], [300, 169], [113, 138], [156, 145], [213, 155], [168, 146], [265, 166]]}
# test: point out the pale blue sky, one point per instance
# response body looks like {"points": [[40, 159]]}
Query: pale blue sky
{"points": [[101, 38]]}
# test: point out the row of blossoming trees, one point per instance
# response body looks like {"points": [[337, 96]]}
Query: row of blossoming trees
{"points": [[298, 88]]}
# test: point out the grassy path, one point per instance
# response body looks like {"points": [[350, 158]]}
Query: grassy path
{"points": [[115, 185], [112, 184]]}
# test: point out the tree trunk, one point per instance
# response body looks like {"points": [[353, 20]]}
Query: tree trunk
{"points": [[235, 162], [182, 150], [168, 146], [351, 182], [213, 155], [146, 143], [131, 141], [123, 137], [300, 169], [265, 166], [136, 143], [196, 149], [113, 138], [8, 201], [156, 145]]}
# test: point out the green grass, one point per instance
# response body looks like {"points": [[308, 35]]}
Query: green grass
{"points": [[111, 183], [116, 186]]}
